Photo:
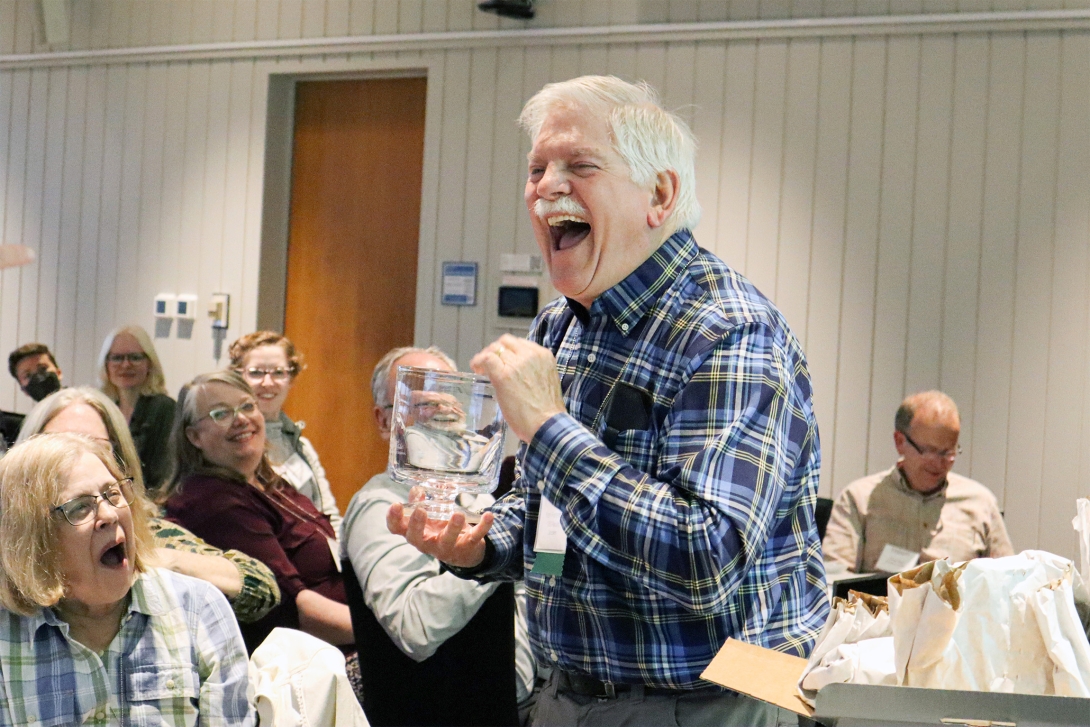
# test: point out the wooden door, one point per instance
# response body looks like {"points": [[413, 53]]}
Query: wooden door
{"points": [[352, 252]]}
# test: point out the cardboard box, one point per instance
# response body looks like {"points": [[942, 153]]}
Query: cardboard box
{"points": [[772, 677]]}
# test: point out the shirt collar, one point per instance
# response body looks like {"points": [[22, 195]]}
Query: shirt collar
{"points": [[627, 302], [902, 481], [146, 599]]}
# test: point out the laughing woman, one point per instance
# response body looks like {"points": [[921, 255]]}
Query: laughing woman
{"points": [[88, 632], [133, 378], [224, 490]]}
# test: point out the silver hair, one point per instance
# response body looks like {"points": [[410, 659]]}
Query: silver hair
{"points": [[381, 377], [650, 139]]}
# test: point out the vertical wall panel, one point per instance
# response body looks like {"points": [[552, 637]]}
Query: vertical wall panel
{"points": [[478, 167], [830, 183], [957, 345], [887, 375], [1067, 364], [857, 312], [14, 99], [736, 155], [930, 211], [797, 184], [1033, 283], [709, 78]]}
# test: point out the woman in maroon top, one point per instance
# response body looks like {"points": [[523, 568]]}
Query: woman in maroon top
{"points": [[225, 491]]}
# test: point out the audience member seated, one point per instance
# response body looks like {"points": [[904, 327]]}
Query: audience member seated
{"points": [[421, 609], [919, 506], [225, 491], [133, 378], [248, 583], [35, 368], [88, 632], [270, 363]]}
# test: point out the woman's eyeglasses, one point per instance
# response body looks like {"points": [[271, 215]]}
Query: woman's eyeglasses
{"points": [[225, 415], [81, 509], [256, 376], [120, 358]]}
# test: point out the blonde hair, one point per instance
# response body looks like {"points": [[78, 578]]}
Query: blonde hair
{"points": [[112, 418], [649, 138], [32, 476], [156, 381]]}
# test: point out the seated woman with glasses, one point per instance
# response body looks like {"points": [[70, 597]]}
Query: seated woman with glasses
{"points": [[270, 363], [132, 377], [225, 490], [248, 583], [88, 631]]}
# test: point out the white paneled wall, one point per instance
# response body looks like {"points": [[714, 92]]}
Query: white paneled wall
{"points": [[918, 205]]}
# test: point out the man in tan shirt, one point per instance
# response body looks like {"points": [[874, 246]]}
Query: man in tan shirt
{"points": [[918, 505]]}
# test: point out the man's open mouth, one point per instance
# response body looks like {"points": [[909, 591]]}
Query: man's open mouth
{"points": [[113, 556], [567, 231]]}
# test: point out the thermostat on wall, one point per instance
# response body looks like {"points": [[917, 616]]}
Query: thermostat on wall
{"points": [[518, 301]]}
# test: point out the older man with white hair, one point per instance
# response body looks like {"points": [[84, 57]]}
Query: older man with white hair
{"points": [[669, 456]]}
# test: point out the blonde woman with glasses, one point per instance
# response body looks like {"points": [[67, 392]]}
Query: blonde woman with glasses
{"points": [[133, 379], [89, 631]]}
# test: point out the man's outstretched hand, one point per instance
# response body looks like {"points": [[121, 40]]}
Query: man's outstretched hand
{"points": [[448, 540]]}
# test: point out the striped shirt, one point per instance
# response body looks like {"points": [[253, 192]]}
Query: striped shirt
{"points": [[698, 524], [177, 660]]}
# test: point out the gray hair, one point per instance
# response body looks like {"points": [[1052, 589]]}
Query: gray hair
{"points": [[112, 419], [650, 139], [381, 377]]}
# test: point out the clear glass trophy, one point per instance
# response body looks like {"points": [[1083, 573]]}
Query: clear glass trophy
{"points": [[446, 438]]}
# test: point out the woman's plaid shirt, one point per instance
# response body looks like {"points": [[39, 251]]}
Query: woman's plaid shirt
{"points": [[699, 527]]}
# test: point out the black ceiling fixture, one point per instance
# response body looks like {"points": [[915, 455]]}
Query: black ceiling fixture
{"points": [[521, 9]]}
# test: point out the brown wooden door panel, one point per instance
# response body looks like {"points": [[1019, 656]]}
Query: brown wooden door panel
{"points": [[352, 256]]}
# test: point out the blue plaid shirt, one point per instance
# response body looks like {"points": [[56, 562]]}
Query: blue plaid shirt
{"points": [[696, 528]]}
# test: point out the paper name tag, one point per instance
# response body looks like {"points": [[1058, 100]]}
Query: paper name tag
{"points": [[295, 470], [550, 543], [550, 533], [896, 560]]}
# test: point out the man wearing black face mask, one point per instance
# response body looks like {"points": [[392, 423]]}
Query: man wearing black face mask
{"points": [[35, 368]]}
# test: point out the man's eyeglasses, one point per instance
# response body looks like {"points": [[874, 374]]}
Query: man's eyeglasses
{"points": [[256, 376], [942, 454], [224, 416], [120, 358], [82, 509]]}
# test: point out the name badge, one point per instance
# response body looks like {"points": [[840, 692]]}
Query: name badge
{"points": [[295, 470], [550, 543], [896, 560]]}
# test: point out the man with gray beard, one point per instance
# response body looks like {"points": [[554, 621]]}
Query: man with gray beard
{"points": [[669, 450]]}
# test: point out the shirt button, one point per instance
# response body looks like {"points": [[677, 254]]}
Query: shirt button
{"points": [[32, 718], [553, 656], [100, 715], [170, 683], [590, 358], [624, 327], [552, 580]]}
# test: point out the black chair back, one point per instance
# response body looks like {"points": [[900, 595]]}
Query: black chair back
{"points": [[469, 680], [823, 510]]}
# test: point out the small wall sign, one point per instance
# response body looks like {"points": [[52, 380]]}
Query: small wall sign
{"points": [[459, 283]]}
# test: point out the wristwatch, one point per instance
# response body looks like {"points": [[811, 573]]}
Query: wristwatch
{"points": [[471, 572]]}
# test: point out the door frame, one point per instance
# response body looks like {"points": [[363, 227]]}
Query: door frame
{"points": [[279, 137]]}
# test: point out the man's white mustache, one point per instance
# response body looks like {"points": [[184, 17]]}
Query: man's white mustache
{"points": [[559, 206]]}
